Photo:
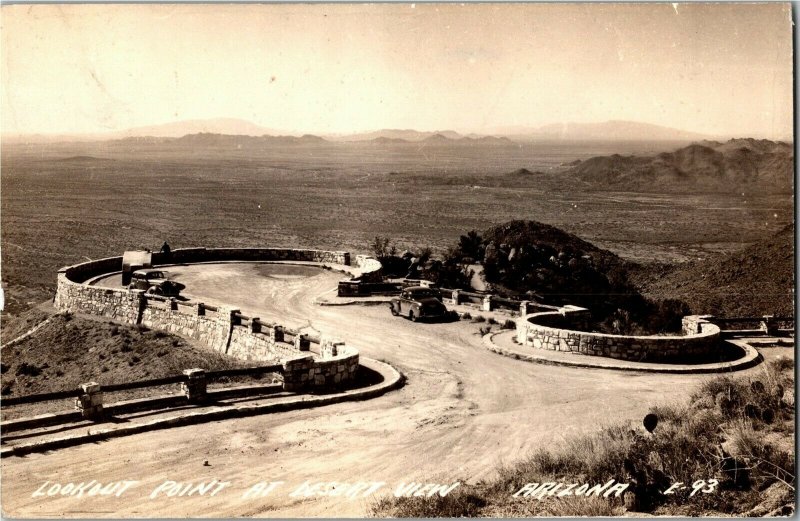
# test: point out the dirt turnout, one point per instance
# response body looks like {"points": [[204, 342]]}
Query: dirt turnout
{"points": [[464, 412]]}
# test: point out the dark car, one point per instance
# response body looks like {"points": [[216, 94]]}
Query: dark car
{"points": [[418, 302], [155, 282]]}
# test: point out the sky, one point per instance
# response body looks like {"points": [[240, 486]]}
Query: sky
{"points": [[720, 69]]}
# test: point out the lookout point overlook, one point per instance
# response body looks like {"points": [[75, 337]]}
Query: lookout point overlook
{"points": [[397, 260]]}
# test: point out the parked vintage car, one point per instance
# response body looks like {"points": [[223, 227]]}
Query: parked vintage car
{"points": [[155, 282], [418, 302]]}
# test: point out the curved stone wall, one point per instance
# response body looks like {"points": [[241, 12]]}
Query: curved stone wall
{"points": [[558, 331], [221, 328]]}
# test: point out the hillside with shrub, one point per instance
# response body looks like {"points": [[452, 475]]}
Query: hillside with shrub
{"points": [[738, 432], [755, 281], [68, 350]]}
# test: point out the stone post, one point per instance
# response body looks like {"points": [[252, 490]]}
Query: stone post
{"points": [[90, 401], [330, 347], [194, 388], [456, 296], [201, 309], [523, 307], [301, 342], [276, 334], [487, 303], [173, 304], [693, 324], [298, 374], [255, 325], [769, 326]]}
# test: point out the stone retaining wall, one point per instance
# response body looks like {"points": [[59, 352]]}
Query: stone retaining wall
{"points": [[556, 331], [221, 328]]}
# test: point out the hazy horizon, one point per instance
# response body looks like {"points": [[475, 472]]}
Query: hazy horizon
{"points": [[327, 69]]}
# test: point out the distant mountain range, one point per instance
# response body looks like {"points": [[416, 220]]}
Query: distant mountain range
{"points": [[232, 126], [705, 165], [606, 131]]}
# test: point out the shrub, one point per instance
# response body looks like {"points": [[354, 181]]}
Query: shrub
{"points": [[479, 318], [28, 370], [491, 320], [466, 316], [509, 324], [458, 503]]}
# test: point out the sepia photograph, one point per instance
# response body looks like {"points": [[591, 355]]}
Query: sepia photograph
{"points": [[397, 260]]}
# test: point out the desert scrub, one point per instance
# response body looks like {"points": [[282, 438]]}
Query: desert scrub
{"points": [[479, 318], [466, 316], [458, 503], [710, 438], [509, 324]]}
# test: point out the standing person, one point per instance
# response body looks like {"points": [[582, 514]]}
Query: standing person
{"points": [[165, 249]]}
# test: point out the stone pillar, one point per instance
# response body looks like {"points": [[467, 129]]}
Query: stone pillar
{"points": [[456, 296], [298, 374], [90, 401], [276, 334], [523, 307], [487, 303], [173, 304], [201, 309], [301, 342], [330, 347], [769, 326], [194, 388], [693, 324], [255, 325]]}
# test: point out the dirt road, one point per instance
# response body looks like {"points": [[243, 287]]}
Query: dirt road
{"points": [[464, 412]]}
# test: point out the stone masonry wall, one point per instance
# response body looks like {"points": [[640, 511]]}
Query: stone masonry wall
{"points": [[117, 304], [207, 328], [548, 331], [219, 329], [248, 345]]}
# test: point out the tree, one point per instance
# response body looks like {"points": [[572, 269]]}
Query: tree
{"points": [[471, 246]]}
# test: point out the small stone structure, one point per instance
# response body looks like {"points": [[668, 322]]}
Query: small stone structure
{"points": [[560, 330], [194, 388], [90, 401], [219, 328]]}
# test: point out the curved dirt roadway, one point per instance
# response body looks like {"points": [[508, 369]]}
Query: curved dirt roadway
{"points": [[463, 412]]}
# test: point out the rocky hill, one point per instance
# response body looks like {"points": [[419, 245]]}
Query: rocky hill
{"points": [[756, 281], [552, 266], [738, 164]]}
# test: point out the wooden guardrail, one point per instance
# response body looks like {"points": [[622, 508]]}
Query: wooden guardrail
{"points": [[140, 384]]}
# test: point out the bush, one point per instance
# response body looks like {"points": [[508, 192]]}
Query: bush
{"points": [[491, 320], [466, 316], [28, 370], [458, 503], [479, 318], [509, 324], [485, 330]]}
